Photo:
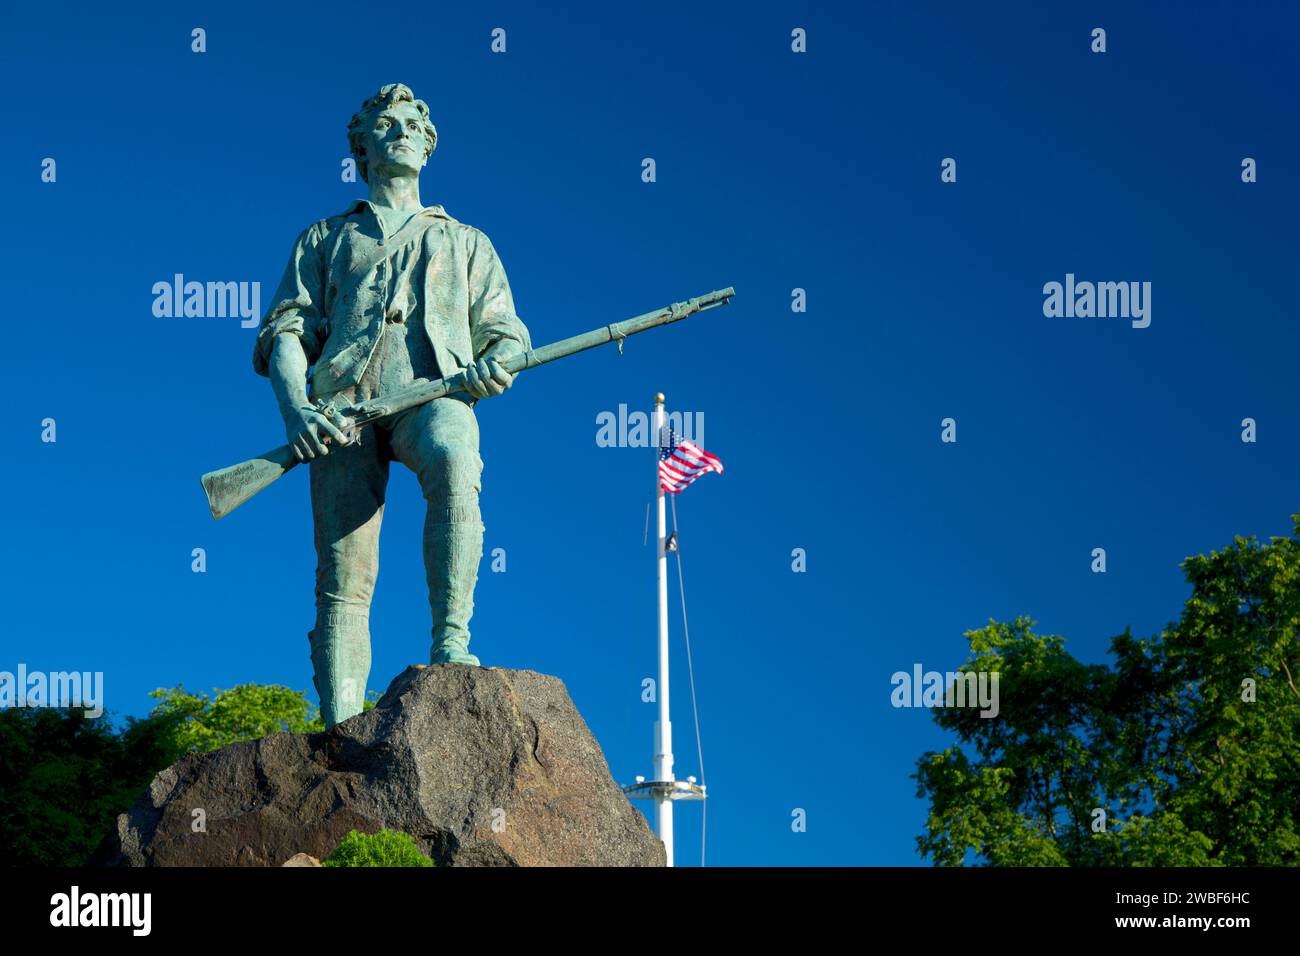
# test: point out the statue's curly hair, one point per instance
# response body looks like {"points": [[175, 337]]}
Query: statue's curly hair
{"points": [[388, 95]]}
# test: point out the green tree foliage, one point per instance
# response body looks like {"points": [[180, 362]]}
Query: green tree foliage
{"points": [[385, 848], [244, 712], [65, 778], [1193, 764]]}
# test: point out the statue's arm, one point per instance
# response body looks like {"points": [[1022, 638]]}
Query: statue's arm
{"points": [[496, 331], [290, 339], [304, 426], [288, 373], [298, 304]]}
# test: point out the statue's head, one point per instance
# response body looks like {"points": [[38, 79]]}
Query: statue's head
{"points": [[392, 131]]}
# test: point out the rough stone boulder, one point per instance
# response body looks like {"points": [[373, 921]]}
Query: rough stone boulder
{"points": [[482, 766]]}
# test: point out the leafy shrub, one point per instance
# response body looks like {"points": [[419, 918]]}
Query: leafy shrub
{"points": [[385, 848]]}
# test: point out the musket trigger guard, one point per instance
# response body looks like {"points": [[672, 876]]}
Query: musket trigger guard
{"points": [[340, 421]]}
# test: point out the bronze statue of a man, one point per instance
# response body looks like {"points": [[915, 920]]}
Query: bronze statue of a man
{"points": [[384, 293]]}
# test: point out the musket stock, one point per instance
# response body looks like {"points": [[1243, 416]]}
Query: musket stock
{"points": [[228, 488]]}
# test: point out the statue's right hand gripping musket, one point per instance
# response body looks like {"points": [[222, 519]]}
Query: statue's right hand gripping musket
{"points": [[228, 488]]}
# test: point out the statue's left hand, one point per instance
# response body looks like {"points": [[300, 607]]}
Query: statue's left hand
{"points": [[487, 377]]}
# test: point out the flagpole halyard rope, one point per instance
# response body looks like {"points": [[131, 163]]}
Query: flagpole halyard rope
{"points": [[690, 670]]}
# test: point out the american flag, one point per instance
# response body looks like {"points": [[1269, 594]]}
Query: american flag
{"points": [[682, 461]]}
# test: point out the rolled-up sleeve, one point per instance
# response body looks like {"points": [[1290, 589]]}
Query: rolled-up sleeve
{"points": [[492, 317], [297, 304]]}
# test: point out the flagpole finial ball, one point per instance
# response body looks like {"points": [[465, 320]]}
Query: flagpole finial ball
{"points": [[659, 398]]}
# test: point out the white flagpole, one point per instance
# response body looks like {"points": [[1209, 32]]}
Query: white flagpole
{"points": [[663, 760], [663, 729], [663, 787]]}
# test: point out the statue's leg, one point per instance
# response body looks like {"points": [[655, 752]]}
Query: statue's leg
{"points": [[347, 495], [439, 442]]}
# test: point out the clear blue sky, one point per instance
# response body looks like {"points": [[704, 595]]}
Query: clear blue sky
{"points": [[775, 171]]}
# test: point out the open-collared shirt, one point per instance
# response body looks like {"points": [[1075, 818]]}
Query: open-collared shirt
{"points": [[346, 278]]}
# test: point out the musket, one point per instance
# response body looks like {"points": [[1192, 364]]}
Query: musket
{"points": [[228, 488]]}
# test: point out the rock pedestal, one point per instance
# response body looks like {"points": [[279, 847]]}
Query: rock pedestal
{"points": [[481, 766]]}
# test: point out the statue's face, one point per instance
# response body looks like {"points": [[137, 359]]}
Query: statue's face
{"points": [[396, 143]]}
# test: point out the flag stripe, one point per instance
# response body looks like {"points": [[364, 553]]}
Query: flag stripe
{"points": [[696, 451], [681, 462]]}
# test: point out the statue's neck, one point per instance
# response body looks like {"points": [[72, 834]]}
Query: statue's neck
{"points": [[400, 193]]}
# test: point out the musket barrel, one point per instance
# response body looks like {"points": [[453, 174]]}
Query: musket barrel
{"points": [[617, 330], [426, 391], [227, 488]]}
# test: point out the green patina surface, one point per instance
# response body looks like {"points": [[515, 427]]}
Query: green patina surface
{"points": [[387, 292], [400, 319]]}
